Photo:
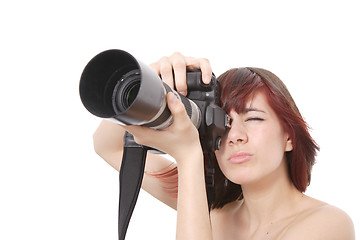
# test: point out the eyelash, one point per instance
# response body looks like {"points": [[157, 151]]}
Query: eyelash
{"points": [[254, 119]]}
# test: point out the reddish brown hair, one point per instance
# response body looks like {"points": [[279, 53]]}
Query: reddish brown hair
{"points": [[236, 87]]}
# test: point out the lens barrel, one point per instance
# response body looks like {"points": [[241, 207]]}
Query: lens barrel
{"points": [[115, 85]]}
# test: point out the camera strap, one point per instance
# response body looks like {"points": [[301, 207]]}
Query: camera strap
{"points": [[210, 181], [130, 178]]}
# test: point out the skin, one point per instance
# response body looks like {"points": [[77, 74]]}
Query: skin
{"points": [[272, 207]]}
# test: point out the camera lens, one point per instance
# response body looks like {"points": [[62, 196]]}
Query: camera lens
{"points": [[126, 90], [131, 93], [117, 86]]}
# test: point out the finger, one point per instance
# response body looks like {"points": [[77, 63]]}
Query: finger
{"points": [[179, 66], [177, 109], [156, 67], [206, 70], [203, 64], [166, 72]]}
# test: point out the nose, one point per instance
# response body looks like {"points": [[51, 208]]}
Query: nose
{"points": [[237, 133]]}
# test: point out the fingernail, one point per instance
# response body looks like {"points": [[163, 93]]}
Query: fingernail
{"points": [[207, 79], [183, 93]]}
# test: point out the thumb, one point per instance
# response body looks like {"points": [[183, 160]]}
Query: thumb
{"points": [[176, 107]]}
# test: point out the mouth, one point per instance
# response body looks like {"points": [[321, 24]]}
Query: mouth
{"points": [[240, 157]]}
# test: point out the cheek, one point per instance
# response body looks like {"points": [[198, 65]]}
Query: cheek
{"points": [[269, 146]]}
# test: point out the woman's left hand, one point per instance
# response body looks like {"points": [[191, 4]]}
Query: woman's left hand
{"points": [[177, 140]]}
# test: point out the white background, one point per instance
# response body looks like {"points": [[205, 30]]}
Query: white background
{"points": [[53, 185]]}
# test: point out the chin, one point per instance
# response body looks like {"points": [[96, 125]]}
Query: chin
{"points": [[240, 176]]}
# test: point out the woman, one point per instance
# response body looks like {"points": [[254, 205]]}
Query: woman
{"points": [[263, 163]]}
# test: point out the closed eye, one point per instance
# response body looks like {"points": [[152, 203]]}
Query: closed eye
{"points": [[255, 119]]}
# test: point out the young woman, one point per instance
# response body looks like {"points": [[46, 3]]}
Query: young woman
{"points": [[263, 164]]}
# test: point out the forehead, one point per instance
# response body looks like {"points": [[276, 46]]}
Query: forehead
{"points": [[259, 101]]}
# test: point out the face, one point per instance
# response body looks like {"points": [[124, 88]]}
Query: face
{"points": [[255, 145]]}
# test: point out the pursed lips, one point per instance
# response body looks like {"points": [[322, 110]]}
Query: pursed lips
{"points": [[240, 157]]}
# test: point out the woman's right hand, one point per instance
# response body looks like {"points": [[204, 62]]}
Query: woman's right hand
{"points": [[173, 70]]}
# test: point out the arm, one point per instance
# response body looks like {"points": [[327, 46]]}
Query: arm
{"points": [[193, 221], [108, 144], [193, 217]]}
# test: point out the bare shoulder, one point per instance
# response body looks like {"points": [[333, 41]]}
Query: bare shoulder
{"points": [[321, 222]]}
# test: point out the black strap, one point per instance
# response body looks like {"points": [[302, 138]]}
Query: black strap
{"points": [[210, 181], [131, 175]]}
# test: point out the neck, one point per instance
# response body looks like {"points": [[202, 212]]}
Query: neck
{"points": [[270, 198]]}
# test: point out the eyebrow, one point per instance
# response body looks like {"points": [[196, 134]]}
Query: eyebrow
{"points": [[246, 110]]}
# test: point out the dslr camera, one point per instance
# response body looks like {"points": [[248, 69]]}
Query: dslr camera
{"points": [[116, 86]]}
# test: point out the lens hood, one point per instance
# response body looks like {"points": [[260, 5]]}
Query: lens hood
{"points": [[107, 92]]}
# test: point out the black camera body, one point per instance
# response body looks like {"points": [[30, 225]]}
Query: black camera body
{"points": [[213, 119], [116, 86]]}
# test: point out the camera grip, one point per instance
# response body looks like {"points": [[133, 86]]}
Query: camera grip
{"points": [[194, 81]]}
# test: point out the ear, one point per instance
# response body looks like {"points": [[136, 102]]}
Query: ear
{"points": [[289, 145]]}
